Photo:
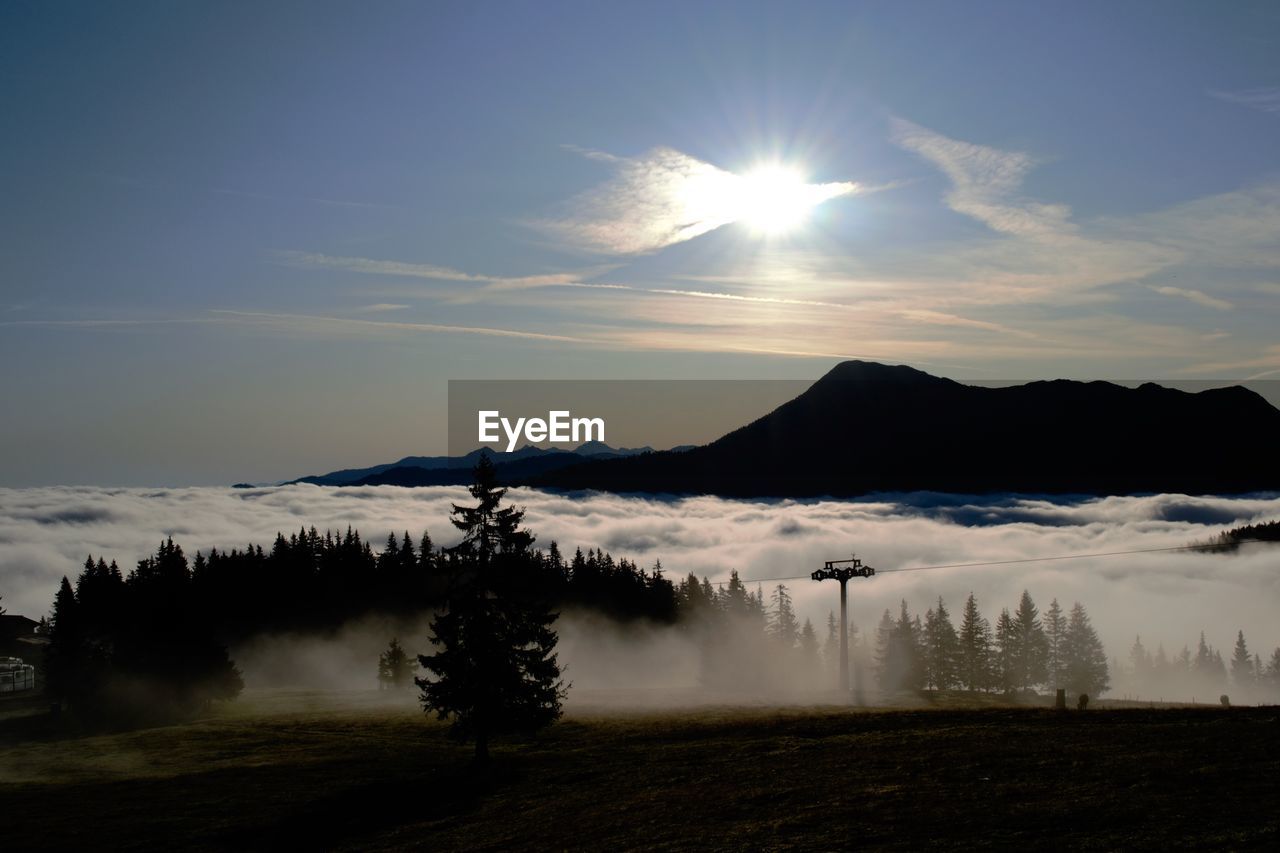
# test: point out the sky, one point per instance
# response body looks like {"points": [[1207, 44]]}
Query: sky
{"points": [[253, 241]]}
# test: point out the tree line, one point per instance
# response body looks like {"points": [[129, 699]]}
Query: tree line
{"points": [[141, 646], [165, 627], [153, 642], [1022, 652], [1202, 673]]}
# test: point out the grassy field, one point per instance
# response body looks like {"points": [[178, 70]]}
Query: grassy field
{"points": [[302, 770]]}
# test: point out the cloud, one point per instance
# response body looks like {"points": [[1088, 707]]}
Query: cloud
{"points": [[401, 269], [1230, 230], [312, 322], [1267, 358], [1197, 296], [662, 198], [1166, 597], [1039, 255], [940, 318], [381, 306], [1265, 99], [1043, 253], [1042, 286], [984, 182]]}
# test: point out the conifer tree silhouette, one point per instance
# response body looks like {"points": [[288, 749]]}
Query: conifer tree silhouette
{"points": [[494, 669]]}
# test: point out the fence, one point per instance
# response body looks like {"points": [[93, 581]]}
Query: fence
{"points": [[16, 676]]}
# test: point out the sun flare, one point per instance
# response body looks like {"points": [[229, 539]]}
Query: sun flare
{"points": [[771, 199], [776, 199]]}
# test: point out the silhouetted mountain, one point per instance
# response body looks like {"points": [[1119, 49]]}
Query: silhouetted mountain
{"points": [[512, 468], [867, 427], [456, 470]]}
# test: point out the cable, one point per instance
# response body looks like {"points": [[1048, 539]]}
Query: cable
{"points": [[1209, 547]]}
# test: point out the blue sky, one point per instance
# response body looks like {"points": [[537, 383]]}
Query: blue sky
{"points": [[249, 241]]}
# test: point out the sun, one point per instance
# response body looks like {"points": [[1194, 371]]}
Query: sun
{"points": [[771, 199], [776, 199]]}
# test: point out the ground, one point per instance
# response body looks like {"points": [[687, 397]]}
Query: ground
{"points": [[310, 770]]}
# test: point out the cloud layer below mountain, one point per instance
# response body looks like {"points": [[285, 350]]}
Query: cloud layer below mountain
{"points": [[1166, 597]]}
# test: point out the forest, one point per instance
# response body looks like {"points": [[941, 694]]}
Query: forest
{"points": [[158, 636]]}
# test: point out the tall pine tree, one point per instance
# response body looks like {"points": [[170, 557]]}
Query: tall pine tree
{"points": [[1241, 664], [940, 648], [974, 658], [1084, 657], [1031, 662], [495, 667]]}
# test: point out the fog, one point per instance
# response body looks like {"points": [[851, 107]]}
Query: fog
{"points": [[1166, 598]]}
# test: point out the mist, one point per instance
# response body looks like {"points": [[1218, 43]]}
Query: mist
{"points": [[1166, 598]]}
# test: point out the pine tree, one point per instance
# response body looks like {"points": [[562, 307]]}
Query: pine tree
{"points": [[1031, 663], [65, 656], [1085, 659], [1160, 666], [1219, 668], [395, 667], [899, 654], [1204, 657], [1140, 664], [831, 648], [495, 666], [1055, 631], [1241, 664], [1007, 653], [940, 644], [1272, 672], [885, 652], [1208, 668], [783, 627], [808, 644], [974, 659]]}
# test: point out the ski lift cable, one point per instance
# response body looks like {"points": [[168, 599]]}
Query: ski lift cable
{"points": [[1203, 547]]}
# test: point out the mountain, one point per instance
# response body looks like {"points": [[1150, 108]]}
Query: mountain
{"points": [[509, 470], [456, 470], [867, 427]]}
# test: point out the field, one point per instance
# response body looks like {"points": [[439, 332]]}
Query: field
{"points": [[288, 769]]}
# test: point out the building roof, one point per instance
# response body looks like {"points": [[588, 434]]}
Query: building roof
{"points": [[13, 626]]}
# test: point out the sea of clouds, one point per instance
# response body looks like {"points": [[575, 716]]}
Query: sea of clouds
{"points": [[1167, 598]]}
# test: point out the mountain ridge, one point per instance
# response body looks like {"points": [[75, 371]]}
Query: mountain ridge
{"points": [[895, 428], [867, 427]]}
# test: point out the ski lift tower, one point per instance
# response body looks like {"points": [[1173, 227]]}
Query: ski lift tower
{"points": [[850, 568]]}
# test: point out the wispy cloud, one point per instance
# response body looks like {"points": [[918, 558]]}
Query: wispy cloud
{"points": [[960, 301], [1038, 251], [984, 182], [1197, 296], [1263, 98], [381, 306], [311, 321], [940, 318], [431, 272], [1268, 358], [661, 198]]}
